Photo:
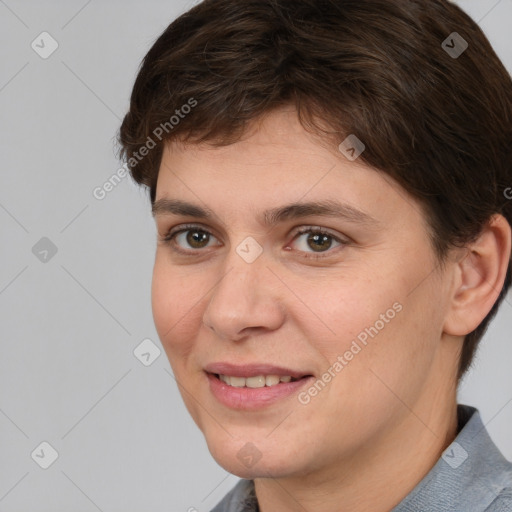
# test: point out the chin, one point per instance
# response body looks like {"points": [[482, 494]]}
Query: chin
{"points": [[247, 461]]}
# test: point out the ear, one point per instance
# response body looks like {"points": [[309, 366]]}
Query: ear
{"points": [[479, 277]]}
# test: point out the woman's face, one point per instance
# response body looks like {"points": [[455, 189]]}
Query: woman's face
{"points": [[353, 308]]}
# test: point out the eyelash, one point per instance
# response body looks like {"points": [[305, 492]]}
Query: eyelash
{"points": [[168, 239]]}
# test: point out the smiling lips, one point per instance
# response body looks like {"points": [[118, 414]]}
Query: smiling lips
{"points": [[252, 386]]}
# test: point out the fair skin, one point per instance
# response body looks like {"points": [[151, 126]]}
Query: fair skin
{"points": [[367, 439]]}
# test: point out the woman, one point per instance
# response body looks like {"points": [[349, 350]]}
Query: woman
{"points": [[333, 242]]}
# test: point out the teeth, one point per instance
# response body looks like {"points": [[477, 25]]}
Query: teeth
{"points": [[272, 380], [255, 382], [237, 382], [259, 381]]}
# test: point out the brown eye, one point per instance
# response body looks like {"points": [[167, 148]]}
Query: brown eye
{"points": [[316, 240], [188, 239], [320, 242], [196, 238]]}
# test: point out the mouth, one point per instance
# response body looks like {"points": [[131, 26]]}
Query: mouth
{"points": [[253, 387]]}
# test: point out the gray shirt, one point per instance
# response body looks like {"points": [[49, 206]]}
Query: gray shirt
{"points": [[471, 476]]}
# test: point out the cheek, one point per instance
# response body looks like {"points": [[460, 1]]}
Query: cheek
{"points": [[374, 322], [399, 354], [345, 312], [174, 300]]}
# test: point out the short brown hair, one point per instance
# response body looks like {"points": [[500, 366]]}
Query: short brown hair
{"points": [[438, 124]]}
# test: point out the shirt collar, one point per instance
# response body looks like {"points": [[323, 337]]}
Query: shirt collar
{"points": [[468, 476]]}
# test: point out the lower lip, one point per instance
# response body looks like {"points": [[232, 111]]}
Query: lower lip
{"points": [[253, 398]]}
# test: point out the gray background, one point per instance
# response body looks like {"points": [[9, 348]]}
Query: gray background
{"points": [[70, 324]]}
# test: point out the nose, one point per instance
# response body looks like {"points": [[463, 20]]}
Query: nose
{"points": [[245, 300]]}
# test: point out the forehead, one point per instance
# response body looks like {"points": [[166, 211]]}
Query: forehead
{"points": [[276, 165]]}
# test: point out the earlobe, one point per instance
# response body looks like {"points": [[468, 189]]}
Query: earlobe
{"points": [[480, 277]]}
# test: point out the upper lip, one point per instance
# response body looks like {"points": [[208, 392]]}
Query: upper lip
{"points": [[252, 370]]}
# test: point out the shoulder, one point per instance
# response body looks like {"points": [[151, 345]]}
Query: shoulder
{"points": [[485, 473], [471, 475], [502, 503]]}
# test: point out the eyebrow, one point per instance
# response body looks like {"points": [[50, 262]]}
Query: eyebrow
{"points": [[270, 218]]}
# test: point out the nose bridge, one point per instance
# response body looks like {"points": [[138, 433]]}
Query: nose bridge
{"points": [[241, 297]]}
